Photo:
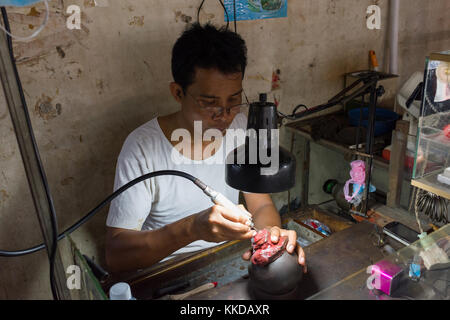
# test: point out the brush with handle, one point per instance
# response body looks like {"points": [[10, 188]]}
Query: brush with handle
{"points": [[185, 295]]}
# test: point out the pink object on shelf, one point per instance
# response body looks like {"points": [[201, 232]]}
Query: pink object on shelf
{"points": [[358, 176]]}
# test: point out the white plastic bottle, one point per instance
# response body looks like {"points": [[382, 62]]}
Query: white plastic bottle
{"points": [[120, 291]]}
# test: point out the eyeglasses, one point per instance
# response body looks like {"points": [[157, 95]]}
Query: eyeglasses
{"points": [[211, 106]]}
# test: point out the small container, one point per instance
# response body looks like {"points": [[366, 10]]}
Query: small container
{"points": [[120, 291], [415, 268], [389, 276]]}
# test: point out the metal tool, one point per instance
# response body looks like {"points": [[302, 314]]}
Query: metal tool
{"points": [[176, 287], [220, 199], [190, 293]]}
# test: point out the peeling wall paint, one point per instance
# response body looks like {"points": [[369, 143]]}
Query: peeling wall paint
{"points": [[137, 21], [180, 16], [46, 108], [88, 89]]}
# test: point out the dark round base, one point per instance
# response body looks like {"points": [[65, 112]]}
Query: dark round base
{"points": [[261, 295], [278, 278]]}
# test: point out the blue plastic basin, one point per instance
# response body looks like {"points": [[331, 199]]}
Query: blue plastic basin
{"points": [[384, 119]]}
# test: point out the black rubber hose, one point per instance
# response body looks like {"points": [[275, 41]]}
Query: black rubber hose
{"points": [[91, 213], [54, 224]]}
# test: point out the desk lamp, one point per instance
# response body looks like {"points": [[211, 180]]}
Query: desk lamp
{"points": [[245, 170]]}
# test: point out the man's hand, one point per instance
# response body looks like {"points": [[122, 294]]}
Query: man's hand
{"points": [[275, 233], [218, 223]]}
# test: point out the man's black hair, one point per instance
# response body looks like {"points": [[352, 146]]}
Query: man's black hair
{"points": [[207, 47]]}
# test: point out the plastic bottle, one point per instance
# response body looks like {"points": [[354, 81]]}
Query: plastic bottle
{"points": [[120, 291]]}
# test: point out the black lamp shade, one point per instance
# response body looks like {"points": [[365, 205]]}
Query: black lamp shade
{"points": [[243, 172]]}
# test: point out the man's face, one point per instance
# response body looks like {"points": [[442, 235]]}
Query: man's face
{"points": [[211, 97]]}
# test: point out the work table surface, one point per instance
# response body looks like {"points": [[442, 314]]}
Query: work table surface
{"points": [[348, 250], [329, 261]]}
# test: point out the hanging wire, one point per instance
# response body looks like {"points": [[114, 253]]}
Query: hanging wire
{"points": [[225, 10], [41, 27], [54, 225], [234, 16], [292, 115], [198, 11]]}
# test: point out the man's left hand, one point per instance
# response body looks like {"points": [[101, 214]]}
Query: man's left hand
{"points": [[275, 234]]}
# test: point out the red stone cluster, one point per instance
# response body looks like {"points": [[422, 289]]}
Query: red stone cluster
{"points": [[264, 250]]}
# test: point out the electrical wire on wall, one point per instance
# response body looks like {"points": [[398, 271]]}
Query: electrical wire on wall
{"points": [[88, 216], [55, 237], [292, 115], [234, 16], [224, 8], [34, 34], [54, 225], [226, 13]]}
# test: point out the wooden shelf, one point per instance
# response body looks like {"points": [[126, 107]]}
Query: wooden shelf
{"points": [[303, 128], [431, 184]]}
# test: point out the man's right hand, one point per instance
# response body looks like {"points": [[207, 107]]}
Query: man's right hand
{"points": [[218, 223]]}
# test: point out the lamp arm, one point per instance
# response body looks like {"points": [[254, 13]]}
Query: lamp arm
{"points": [[341, 98]]}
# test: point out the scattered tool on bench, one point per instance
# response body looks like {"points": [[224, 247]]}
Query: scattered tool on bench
{"points": [[190, 293]]}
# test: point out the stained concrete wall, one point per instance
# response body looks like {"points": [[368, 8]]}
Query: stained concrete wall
{"points": [[88, 89]]}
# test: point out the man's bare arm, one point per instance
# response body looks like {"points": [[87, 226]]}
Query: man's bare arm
{"points": [[132, 250], [264, 212]]}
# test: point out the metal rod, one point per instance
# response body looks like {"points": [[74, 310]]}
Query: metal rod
{"points": [[369, 142], [362, 154], [291, 150], [394, 9], [305, 175], [358, 131], [345, 90], [343, 100]]}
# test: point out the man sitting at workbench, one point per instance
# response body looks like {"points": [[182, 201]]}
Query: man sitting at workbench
{"points": [[166, 216]]}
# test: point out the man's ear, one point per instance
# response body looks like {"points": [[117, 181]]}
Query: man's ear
{"points": [[177, 91]]}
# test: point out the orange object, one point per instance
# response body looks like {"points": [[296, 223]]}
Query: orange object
{"points": [[409, 159], [373, 217], [447, 131], [373, 60], [435, 228]]}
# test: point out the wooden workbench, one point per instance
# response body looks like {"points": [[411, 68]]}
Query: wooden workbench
{"points": [[350, 248], [329, 261]]}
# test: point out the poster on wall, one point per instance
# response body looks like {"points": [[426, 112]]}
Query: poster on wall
{"points": [[255, 9]]}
